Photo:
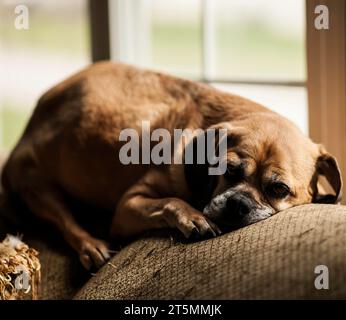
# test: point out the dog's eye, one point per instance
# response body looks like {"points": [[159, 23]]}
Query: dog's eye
{"points": [[234, 173], [278, 190]]}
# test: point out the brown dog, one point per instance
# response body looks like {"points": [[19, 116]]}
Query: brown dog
{"points": [[71, 148]]}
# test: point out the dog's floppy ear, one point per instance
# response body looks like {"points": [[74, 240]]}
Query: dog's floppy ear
{"points": [[327, 166], [200, 183]]}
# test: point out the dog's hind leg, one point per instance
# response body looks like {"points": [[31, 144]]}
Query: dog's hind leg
{"points": [[49, 205], [46, 201]]}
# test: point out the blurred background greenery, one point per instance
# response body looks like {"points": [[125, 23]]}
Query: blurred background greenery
{"points": [[55, 45], [253, 39]]}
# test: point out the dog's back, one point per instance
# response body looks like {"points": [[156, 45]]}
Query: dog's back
{"points": [[72, 136]]}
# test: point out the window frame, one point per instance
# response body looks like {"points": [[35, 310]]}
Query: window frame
{"points": [[326, 62], [207, 27]]}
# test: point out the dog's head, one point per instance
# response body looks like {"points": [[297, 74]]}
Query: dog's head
{"points": [[271, 166]]}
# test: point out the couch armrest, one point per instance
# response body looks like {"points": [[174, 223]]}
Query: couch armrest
{"points": [[272, 259]]}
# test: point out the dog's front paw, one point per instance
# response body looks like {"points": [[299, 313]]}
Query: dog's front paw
{"points": [[189, 221], [93, 253]]}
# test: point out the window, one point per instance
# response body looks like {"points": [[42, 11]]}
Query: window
{"points": [[55, 45], [326, 57], [255, 48]]}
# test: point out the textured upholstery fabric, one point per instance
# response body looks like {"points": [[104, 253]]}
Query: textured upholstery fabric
{"points": [[272, 259], [62, 273]]}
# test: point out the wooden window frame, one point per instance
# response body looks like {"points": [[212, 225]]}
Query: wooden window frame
{"points": [[326, 62], [99, 30]]}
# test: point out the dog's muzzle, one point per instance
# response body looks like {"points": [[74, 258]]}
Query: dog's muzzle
{"points": [[235, 209]]}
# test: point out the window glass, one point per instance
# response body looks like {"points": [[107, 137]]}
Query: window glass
{"points": [[259, 39], [176, 36], [55, 45]]}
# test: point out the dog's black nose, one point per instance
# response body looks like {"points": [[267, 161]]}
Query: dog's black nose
{"points": [[239, 206]]}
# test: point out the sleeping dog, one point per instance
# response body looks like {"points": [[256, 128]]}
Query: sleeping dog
{"points": [[70, 148]]}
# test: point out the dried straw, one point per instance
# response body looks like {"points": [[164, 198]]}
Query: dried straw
{"points": [[17, 261]]}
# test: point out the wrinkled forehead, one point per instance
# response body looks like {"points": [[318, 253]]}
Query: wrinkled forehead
{"points": [[272, 156], [256, 157]]}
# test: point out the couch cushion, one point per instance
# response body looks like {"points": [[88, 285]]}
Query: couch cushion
{"points": [[275, 258]]}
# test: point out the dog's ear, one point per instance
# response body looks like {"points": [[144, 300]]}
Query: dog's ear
{"points": [[327, 166], [196, 166], [201, 157]]}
